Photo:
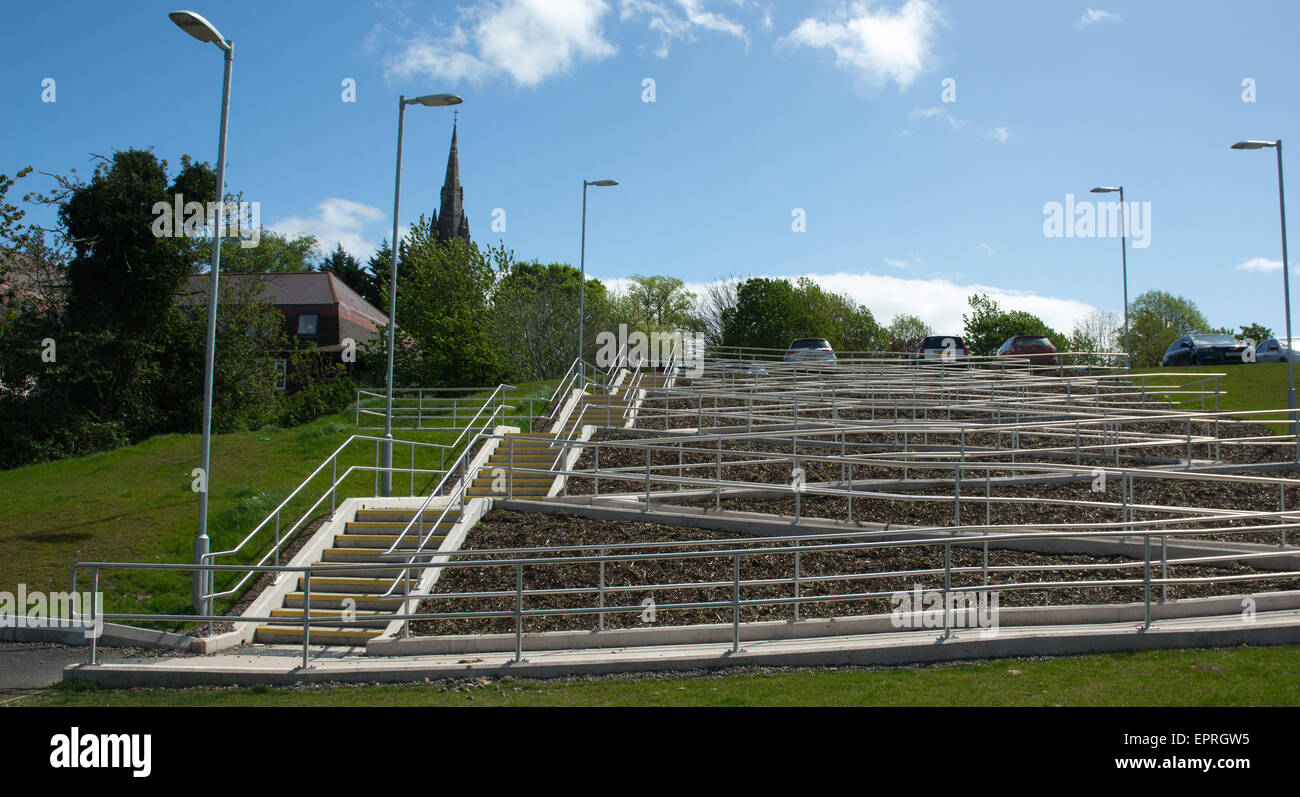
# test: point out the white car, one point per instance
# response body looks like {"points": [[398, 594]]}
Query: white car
{"points": [[1275, 351], [816, 350]]}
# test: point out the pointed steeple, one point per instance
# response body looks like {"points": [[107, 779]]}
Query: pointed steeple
{"points": [[451, 221]]}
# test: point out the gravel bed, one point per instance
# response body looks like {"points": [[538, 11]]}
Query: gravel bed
{"points": [[502, 529]]}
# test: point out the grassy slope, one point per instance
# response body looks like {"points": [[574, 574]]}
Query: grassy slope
{"points": [[135, 504], [1224, 677], [1253, 386]]}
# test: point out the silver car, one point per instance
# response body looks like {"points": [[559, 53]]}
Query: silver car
{"points": [[1275, 351], [816, 350]]}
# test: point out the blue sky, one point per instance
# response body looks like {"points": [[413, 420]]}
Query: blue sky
{"points": [[761, 108]]}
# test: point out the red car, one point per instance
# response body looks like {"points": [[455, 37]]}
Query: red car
{"points": [[1037, 349]]}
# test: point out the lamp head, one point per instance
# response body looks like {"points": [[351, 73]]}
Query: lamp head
{"points": [[436, 100], [198, 27]]}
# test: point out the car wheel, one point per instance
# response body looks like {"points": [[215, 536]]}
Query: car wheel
{"points": [[1194, 360], [1281, 359]]}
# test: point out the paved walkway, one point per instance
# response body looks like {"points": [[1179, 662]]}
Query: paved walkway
{"points": [[282, 664]]}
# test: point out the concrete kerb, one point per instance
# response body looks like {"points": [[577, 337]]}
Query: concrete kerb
{"points": [[45, 629], [887, 649]]}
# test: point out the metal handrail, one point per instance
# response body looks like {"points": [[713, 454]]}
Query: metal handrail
{"points": [[735, 549]]}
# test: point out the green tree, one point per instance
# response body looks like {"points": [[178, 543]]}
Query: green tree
{"points": [[1256, 332], [659, 303], [443, 331], [1156, 318], [905, 332], [762, 316], [988, 326], [534, 315], [274, 252]]}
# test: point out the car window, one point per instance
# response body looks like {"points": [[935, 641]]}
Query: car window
{"points": [[1031, 341]]}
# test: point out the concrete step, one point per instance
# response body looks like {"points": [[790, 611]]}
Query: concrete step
{"points": [[520, 492], [358, 585], [337, 556], [343, 600], [361, 618], [385, 574], [401, 515], [394, 528], [384, 541], [320, 635]]}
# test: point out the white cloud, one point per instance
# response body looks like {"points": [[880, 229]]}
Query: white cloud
{"points": [[340, 221], [679, 22], [940, 303], [876, 44], [1091, 17], [889, 261], [529, 40], [998, 134], [986, 249], [1261, 265]]}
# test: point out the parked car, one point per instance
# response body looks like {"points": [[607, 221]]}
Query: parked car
{"points": [[1275, 351], [810, 350], [942, 348], [1037, 349], [1200, 348]]}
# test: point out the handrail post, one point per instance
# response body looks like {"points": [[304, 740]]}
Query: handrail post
{"points": [[947, 590], [519, 611], [1146, 579], [735, 603], [602, 587], [94, 637], [306, 614], [797, 593]]}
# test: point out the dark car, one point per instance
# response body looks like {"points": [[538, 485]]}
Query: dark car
{"points": [[1035, 349], [1200, 348], [942, 348]]}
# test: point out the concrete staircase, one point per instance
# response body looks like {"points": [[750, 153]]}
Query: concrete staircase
{"points": [[496, 479], [355, 593]]}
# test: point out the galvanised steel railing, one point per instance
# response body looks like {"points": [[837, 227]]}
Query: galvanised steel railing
{"points": [[793, 548], [484, 423]]}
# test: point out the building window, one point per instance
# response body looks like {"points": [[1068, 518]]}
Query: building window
{"points": [[307, 324]]}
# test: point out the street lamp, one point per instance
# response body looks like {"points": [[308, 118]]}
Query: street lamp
{"points": [[1123, 248], [201, 29], [582, 261], [429, 101], [1286, 278]]}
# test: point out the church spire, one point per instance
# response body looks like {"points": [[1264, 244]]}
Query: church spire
{"points": [[451, 221]]}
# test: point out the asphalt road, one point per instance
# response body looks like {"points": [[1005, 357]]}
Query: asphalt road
{"points": [[28, 666]]}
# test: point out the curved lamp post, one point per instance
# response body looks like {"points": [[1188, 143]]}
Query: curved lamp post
{"points": [[1123, 248], [198, 27], [582, 260], [429, 101], [1286, 279]]}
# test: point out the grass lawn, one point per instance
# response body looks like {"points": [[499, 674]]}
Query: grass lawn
{"points": [[1249, 386], [1267, 676], [136, 504]]}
